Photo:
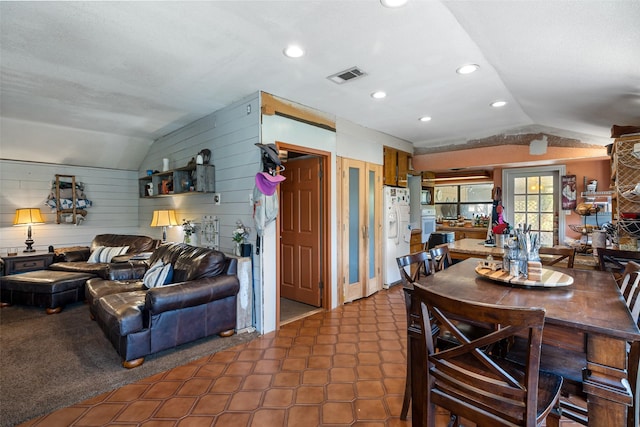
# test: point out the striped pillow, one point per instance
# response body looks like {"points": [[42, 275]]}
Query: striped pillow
{"points": [[158, 274], [106, 253]]}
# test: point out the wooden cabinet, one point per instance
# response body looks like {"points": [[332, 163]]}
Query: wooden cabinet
{"points": [[466, 232], [186, 180], [25, 262], [428, 183], [415, 244], [396, 167]]}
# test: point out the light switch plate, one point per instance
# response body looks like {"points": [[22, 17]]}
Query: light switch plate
{"points": [[216, 198]]}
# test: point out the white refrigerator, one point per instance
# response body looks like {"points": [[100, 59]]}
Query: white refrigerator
{"points": [[396, 232]]}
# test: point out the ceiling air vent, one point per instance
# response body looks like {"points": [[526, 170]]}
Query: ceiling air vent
{"points": [[346, 75]]}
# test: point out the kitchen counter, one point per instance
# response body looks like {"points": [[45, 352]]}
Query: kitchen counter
{"points": [[474, 248]]}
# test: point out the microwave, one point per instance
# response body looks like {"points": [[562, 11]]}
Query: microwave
{"points": [[426, 197]]}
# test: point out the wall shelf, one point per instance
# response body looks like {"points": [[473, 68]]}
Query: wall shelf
{"points": [[194, 179]]}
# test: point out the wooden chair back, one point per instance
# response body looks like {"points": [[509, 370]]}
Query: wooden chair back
{"points": [[416, 263], [469, 381], [615, 260], [630, 288], [420, 263], [556, 255], [440, 257]]}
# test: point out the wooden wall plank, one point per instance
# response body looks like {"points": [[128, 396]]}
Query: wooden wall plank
{"points": [[27, 184]]}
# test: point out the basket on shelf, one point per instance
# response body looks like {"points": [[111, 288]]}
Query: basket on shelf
{"points": [[630, 226], [583, 228]]}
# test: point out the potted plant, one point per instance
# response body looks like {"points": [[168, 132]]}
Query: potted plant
{"points": [[240, 234], [189, 229]]}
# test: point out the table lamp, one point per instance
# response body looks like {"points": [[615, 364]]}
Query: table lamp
{"points": [[164, 218], [28, 217]]}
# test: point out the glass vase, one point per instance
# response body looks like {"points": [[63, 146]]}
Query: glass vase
{"points": [[236, 249]]}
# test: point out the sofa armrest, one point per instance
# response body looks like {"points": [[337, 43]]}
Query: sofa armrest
{"points": [[72, 254], [126, 270], [191, 293]]}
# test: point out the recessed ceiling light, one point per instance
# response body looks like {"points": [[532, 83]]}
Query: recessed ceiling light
{"points": [[293, 51], [498, 104], [467, 69], [379, 94], [393, 3], [425, 119]]}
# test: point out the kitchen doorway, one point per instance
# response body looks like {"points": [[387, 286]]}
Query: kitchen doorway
{"points": [[303, 274]]}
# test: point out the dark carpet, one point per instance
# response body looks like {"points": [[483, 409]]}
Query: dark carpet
{"points": [[48, 362]]}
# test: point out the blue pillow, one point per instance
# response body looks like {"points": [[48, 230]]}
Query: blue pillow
{"points": [[158, 274]]}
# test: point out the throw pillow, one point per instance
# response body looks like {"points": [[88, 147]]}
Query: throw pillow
{"points": [[95, 255], [106, 253], [158, 274]]}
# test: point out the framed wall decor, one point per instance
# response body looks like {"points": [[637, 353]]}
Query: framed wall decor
{"points": [[569, 192]]}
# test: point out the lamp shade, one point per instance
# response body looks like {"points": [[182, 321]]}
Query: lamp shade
{"points": [[28, 216], [164, 218]]}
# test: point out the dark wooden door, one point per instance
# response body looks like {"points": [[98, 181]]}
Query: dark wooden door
{"points": [[300, 228]]}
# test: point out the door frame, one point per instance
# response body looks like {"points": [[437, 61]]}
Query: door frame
{"points": [[325, 216]]}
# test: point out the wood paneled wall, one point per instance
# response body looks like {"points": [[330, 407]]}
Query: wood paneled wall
{"points": [[114, 194], [230, 134]]}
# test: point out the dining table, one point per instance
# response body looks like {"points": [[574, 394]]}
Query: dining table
{"points": [[587, 315]]}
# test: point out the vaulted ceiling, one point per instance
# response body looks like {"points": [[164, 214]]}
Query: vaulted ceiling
{"points": [[143, 69]]}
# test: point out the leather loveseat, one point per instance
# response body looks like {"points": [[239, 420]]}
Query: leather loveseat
{"points": [[199, 301], [75, 259]]}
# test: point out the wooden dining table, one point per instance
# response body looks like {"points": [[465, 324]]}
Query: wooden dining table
{"points": [[589, 315]]}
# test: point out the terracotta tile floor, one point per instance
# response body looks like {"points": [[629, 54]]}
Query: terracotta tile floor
{"points": [[338, 368]]}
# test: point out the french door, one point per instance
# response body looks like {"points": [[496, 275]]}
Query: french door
{"points": [[360, 228], [532, 197]]}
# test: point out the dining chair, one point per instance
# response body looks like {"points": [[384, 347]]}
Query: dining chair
{"points": [[417, 263], [440, 257], [630, 267], [569, 364], [615, 260], [557, 254], [630, 289], [474, 384]]}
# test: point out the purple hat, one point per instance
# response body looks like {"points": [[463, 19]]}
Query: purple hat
{"points": [[267, 183]]}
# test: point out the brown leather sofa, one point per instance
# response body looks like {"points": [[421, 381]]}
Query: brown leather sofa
{"points": [[199, 302], [75, 259]]}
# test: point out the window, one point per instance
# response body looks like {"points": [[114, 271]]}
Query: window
{"points": [[468, 200]]}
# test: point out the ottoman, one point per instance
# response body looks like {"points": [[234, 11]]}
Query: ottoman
{"points": [[45, 288]]}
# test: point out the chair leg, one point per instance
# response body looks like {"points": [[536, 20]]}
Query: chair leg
{"points": [[407, 385], [553, 419]]}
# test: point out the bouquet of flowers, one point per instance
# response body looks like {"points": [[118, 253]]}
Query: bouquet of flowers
{"points": [[240, 233], [189, 228]]}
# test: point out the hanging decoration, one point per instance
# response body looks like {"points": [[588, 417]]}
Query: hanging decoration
{"points": [[265, 196]]}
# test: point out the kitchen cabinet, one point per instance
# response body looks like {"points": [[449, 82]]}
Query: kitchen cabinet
{"points": [[465, 232], [415, 245], [191, 179], [396, 167], [428, 183]]}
